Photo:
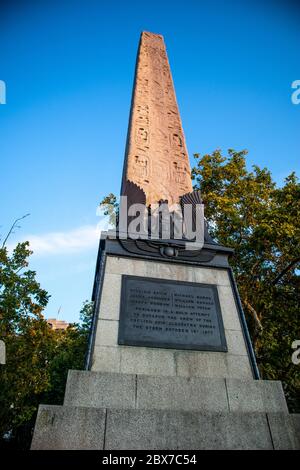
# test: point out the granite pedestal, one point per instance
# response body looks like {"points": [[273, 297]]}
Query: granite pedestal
{"points": [[138, 397]]}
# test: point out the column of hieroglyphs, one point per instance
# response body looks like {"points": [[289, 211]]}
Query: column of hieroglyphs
{"points": [[157, 158]]}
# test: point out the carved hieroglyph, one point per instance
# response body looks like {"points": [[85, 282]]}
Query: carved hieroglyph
{"points": [[156, 157]]}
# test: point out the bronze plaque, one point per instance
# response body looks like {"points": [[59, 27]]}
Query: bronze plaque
{"points": [[170, 314]]}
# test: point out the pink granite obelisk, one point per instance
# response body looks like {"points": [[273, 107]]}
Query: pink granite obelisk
{"points": [[156, 158]]}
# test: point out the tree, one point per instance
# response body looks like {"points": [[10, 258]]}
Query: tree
{"points": [[110, 207], [70, 352], [27, 337], [37, 357], [248, 212]]}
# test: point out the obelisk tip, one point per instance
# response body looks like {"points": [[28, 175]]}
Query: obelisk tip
{"points": [[151, 35]]}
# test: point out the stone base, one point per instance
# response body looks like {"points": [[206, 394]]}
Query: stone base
{"points": [[156, 398], [129, 391], [124, 411], [83, 428]]}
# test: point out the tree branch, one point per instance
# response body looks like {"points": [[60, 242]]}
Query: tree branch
{"points": [[253, 312], [285, 270], [12, 228]]}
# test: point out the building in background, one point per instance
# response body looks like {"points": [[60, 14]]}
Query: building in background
{"points": [[57, 324]]}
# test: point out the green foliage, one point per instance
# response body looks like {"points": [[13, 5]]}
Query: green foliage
{"points": [[248, 212], [110, 207], [26, 335], [37, 357], [71, 346]]}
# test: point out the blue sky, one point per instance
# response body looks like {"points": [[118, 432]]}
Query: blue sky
{"points": [[68, 68]]}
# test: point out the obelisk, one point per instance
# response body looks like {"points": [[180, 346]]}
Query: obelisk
{"points": [[156, 158], [170, 364]]}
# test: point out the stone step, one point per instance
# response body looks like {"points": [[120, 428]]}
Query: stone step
{"points": [[67, 427], [130, 391]]}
